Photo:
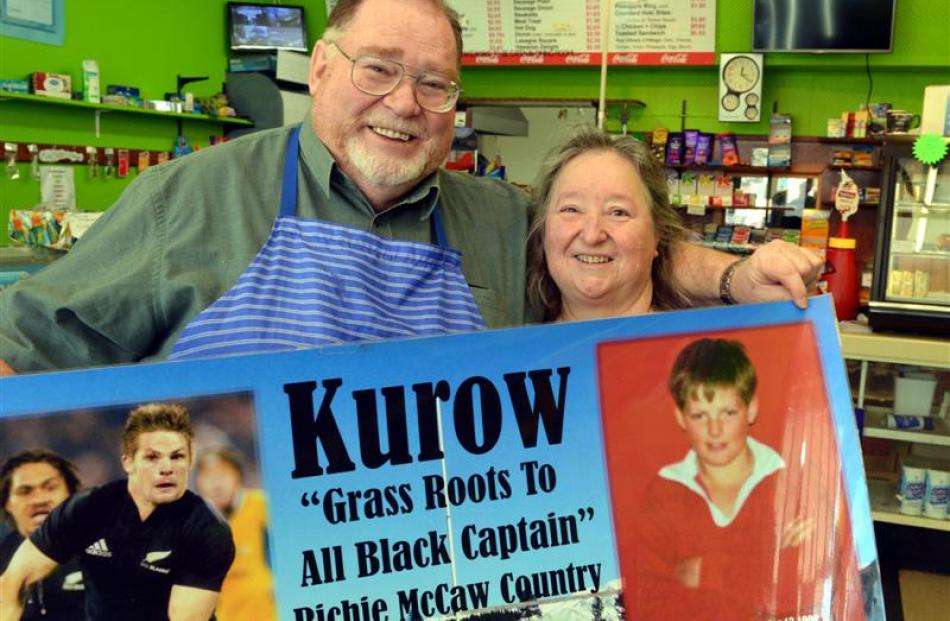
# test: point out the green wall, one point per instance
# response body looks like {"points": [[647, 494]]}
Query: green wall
{"points": [[143, 44], [146, 46]]}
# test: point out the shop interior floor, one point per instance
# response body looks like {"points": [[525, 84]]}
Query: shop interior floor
{"points": [[925, 596]]}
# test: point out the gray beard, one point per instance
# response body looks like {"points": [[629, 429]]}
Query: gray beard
{"points": [[386, 171]]}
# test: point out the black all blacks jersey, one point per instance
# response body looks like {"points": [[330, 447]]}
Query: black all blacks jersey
{"points": [[130, 566]]}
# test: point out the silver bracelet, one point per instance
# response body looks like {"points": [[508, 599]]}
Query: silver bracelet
{"points": [[725, 282]]}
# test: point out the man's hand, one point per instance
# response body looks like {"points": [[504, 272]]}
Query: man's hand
{"points": [[27, 566], [777, 271]]}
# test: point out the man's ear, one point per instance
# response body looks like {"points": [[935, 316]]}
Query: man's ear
{"points": [[127, 463], [753, 410], [318, 65], [680, 418]]}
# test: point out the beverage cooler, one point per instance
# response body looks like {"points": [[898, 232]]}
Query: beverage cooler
{"points": [[910, 291]]}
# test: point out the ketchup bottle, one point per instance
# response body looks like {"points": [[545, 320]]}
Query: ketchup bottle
{"points": [[842, 274]]}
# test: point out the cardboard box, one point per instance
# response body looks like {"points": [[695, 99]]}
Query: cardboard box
{"points": [[90, 81], [52, 84]]}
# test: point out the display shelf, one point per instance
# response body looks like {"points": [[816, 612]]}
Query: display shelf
{"points": [[545, 102], [98, 109], [734, 207], [856, 141], [914, 350], [875, 426], [857, 168], [884, 508], [829, 205], [923, 253], [939, 207], [761, 170]]}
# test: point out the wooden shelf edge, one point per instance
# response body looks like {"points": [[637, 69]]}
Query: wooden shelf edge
{"points": [[915, 350], [884, 508], [919, 437]]}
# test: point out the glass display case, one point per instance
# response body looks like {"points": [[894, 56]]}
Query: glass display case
{"points": [[911, 285]]}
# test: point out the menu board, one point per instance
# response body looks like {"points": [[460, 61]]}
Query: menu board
{"points": [[570, 32]]}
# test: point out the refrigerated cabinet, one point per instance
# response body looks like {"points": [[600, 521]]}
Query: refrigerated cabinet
{"points": [[911, 284]]}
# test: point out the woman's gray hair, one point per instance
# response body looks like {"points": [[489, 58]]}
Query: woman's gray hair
{"points": [[543, 293]]}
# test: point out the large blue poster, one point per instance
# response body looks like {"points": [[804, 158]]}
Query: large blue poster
{"points": [[466, 476]]}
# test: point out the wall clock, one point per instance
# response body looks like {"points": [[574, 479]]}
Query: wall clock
{"points": [[740, 87]]}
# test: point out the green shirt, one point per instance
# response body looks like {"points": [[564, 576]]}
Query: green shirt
{"points": [[182, 233]]}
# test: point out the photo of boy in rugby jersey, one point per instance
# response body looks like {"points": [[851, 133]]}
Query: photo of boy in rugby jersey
{"points": [[726, 478]]}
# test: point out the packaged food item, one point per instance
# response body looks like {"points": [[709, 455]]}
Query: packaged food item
{"points": [[740, 235], [15, 86], [704, 147], [862, 156], [688, 185], [910, 495], [673, 187], [862, 119], [760, 156], [90, 81], [690, 142], [937, 494], [836, 128], [658, 143], [908, 422], [815, 228], [780, 141], [58, 85], [674, 149], [730, 153], [706, 184], [841, 157]]}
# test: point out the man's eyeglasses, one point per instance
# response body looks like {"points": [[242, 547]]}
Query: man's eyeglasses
{"points": [[378, 76]]}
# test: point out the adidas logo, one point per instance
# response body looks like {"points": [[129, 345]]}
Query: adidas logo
{"points": [[99, 548]]}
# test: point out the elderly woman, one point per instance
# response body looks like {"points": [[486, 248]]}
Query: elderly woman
{"points": [[601, 242]]}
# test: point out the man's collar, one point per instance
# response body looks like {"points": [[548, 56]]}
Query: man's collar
{"points": [[317, 157]]}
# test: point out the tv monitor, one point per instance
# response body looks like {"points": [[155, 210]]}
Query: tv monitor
{"points": [[266, 27], [823, 26]]}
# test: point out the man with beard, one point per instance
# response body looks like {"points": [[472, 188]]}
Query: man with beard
{"points": [[148, 547], [32, 484], [344, 229]]}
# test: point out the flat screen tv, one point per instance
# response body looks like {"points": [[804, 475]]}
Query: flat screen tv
{"points": [[823, 26], [266, 27]]}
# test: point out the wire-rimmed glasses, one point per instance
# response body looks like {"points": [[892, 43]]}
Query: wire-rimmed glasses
{"points": [[379, 76]]}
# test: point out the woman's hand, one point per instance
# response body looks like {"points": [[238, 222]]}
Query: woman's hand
{"points": [[778, 270]]}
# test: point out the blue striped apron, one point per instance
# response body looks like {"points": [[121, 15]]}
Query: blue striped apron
{"points": [[316, 283]]}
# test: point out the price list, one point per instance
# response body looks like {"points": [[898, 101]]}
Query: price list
{"points": [[570, 32]]}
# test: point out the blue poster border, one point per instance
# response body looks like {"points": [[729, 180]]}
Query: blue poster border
{"points": [[95, 388]]}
